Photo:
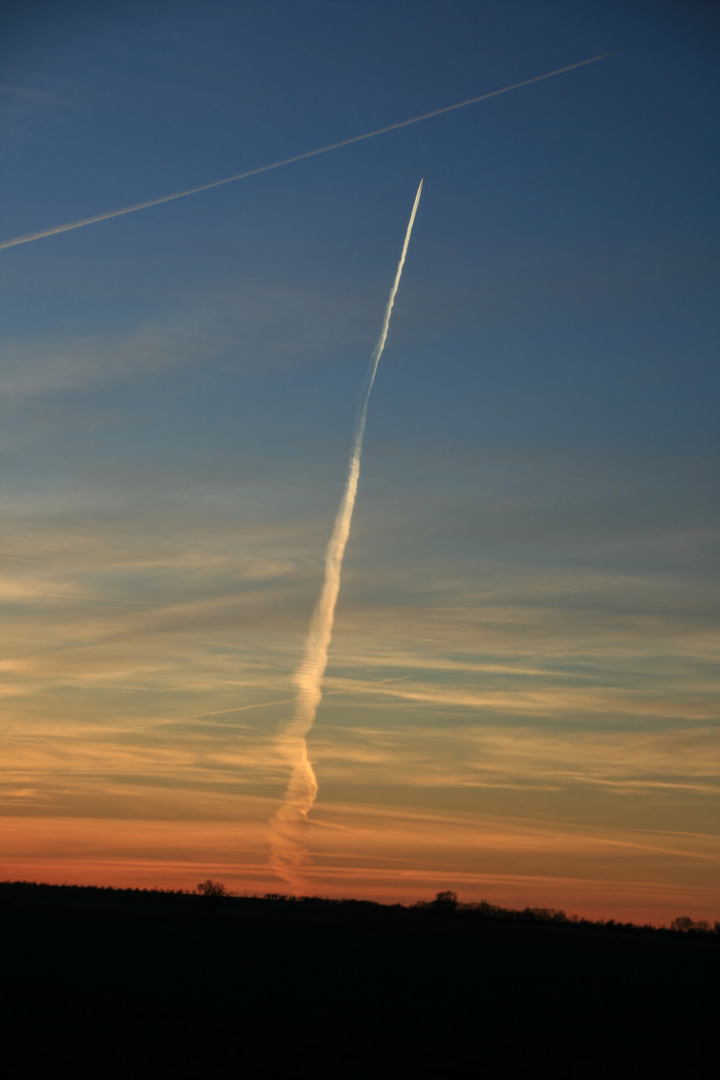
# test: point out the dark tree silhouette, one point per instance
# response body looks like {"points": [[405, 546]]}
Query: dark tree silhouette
{"points": [[212, 889], [446, 901]]}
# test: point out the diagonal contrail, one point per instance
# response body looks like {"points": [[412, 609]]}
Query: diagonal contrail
{"points": [[288, 853], [28, 237]]}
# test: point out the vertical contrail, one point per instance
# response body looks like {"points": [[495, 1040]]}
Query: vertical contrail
{"points": [[288, 850]]}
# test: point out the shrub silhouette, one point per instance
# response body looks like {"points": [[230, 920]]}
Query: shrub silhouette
{"points": [[212, 889]]}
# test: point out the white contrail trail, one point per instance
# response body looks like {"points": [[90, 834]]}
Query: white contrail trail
{"points": [[288, 853], [28, 237]]}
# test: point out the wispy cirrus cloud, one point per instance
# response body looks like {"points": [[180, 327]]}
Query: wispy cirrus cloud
{"points": [[249, 323], [26, 102]]}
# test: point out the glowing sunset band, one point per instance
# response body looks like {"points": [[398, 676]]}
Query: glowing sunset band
{"points": [[288, 851], [28, 237]]}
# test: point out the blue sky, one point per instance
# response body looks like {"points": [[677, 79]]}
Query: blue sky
{"points": [[533, 555]]}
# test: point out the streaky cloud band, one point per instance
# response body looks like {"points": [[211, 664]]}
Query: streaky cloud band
{"points": [[55, 229]]}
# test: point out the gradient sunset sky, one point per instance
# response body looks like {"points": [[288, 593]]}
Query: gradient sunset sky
{"points": [[522, 697]]}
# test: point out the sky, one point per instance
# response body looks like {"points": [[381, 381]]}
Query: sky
{"points": [[521, 701]]}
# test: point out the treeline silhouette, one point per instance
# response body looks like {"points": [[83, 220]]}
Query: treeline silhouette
{"points": [[32, 894], [109, 982]]}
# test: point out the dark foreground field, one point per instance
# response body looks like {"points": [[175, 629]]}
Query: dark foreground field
{"points": [[118, 983]]}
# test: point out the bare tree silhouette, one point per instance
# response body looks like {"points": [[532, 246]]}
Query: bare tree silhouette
{"points": [[212, 889]]}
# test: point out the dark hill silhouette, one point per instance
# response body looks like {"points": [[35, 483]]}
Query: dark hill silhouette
{"points": [[114, 982]]}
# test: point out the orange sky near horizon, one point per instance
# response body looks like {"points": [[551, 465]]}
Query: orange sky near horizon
{"points": [[529, 736], [404, 867]]}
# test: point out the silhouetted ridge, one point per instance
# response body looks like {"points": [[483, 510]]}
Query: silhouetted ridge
{"points": [[30, 895], [114, 982]]}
